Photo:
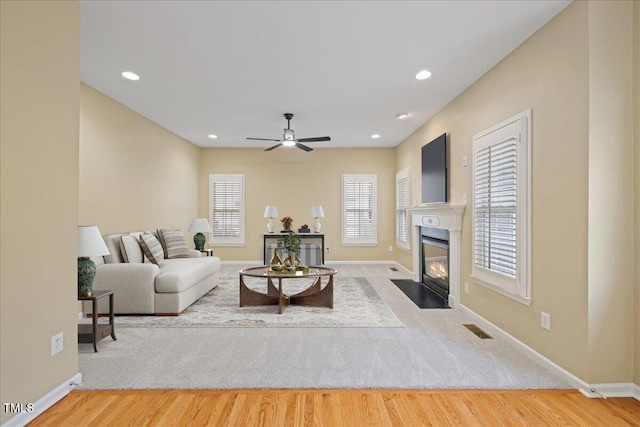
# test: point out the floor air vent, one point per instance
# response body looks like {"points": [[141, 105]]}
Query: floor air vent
{"points": [[479, 332], [393, 269]]}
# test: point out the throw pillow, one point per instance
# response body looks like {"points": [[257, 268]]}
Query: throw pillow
{"points": [[131, 250], [151, 248], [175, 246]]}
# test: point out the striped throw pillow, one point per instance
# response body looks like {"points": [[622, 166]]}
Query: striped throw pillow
{"points": [[175, 246], [151, 248]]}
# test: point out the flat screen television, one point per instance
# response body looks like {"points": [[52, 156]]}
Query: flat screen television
{"points": [[434, 171]]}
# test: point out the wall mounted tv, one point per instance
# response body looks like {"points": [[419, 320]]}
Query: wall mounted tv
{"points": [[434, 171]]}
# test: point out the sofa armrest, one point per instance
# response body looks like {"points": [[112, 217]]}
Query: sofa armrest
{"points": [[193, 253], [133, 286]]}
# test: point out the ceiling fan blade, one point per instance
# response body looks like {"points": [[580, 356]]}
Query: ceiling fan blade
{"points": [[275, 146], [264, 139], [303, 147], [316, 139]]}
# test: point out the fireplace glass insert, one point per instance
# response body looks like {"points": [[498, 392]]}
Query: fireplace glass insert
{"points": [[435, 260]]}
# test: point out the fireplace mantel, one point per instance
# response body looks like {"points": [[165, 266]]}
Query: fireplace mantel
{"points": [[448, 217]]}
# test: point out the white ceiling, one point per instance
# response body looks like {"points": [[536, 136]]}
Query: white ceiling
{"points": [[345, 69]]}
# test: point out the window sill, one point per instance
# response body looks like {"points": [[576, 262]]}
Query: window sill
{"points": [[359, 244], [403, 248], [519, 298], [222, 244]]}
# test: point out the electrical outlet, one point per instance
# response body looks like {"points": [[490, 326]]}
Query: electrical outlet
{"points": [[545, 320], [464, 198], [57, 343], [328, 248], [390, 248], [466, 288], [464, 161]]}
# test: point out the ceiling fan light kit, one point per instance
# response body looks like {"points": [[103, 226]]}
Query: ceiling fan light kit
{"points": [[289, 138]]}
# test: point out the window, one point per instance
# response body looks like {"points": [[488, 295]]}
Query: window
{"points": [[226, 207], [359, 211], [500, 207], [402, 201]]}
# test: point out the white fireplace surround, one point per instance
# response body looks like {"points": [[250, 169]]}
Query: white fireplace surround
{"points": [[447, 217]]}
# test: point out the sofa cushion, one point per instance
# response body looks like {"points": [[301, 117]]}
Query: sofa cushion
{"points": [[174, 244], [176, 275], [151, 248], [131, 250], [113, 244]]}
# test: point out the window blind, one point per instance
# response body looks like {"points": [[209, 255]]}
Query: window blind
{"points": [[359, 215], [402, 201], [495, 208], [226, 208], [501, 220]]}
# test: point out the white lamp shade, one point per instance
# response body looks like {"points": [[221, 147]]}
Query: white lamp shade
{"points": [[270, 211], [90, 242], [317, 212], [200, 225]]}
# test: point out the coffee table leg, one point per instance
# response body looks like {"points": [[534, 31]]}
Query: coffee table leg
{"points": [[314, 296], [283, 300]]}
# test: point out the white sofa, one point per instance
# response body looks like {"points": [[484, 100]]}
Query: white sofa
{"points": [[147, 288]]}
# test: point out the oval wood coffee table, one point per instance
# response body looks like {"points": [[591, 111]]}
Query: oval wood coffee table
{"points": [[315, 295]]}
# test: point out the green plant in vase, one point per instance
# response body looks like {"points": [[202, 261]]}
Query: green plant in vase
{"points": [[291, 244]]}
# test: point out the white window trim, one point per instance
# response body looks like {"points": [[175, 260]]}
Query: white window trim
{"points": [[519, 289], [369, 241], [403, 244], [227, 241]]}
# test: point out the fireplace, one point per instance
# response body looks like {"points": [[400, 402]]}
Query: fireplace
{"points": [[443, 217], [435, 260]]}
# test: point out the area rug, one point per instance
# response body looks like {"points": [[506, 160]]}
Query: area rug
{"points": [[356, 305]]}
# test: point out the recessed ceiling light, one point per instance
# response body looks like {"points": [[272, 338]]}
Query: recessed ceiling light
{"points": [[424, 74], [212, 136], [375, 136], [402, 115], [130, 75]]}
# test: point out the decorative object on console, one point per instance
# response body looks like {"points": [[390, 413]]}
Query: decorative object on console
{"points": [[286, 223], [304, 229], [317, 212], [271, 212], [199, 226], [90, 243]]}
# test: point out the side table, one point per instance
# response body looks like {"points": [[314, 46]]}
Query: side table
{"points": [[207, 252], [96, 331]]}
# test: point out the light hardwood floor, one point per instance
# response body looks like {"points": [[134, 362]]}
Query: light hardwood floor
{"points": [[334, 408]]}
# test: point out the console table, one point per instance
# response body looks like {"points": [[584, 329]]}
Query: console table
{"points": [[311, 247]]}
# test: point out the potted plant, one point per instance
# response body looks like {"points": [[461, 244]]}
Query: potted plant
{"points": [[291, 244], [286, 223]]}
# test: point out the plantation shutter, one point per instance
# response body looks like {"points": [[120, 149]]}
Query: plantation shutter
{"points": [[359, 213], [226, 204], [501, 220], [495, 208], [402, 201]]}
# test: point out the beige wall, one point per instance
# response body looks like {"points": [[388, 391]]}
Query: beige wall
{"points": [[610, 259], [294, 180], [40, 57], [549, 74], [636, 168], [134, 174]]}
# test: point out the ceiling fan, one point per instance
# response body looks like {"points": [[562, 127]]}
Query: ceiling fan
{"points": [[289, 138]]}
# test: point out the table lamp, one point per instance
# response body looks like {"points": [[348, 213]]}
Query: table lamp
{"points": [[90, 243], [317, 212], [270, 212], [199, 226]]}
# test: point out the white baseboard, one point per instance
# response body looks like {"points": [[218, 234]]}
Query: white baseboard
{"points": [[590, 390], [403, 268], [45, 402]]}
